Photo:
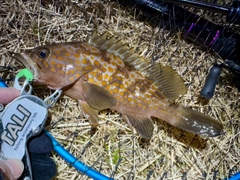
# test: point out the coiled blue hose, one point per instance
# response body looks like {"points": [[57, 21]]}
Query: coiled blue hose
{"points": [[2, 83], [235, 176], [69, 158]]}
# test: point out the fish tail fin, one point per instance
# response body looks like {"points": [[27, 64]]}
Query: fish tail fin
{"points": [[192, 121]]}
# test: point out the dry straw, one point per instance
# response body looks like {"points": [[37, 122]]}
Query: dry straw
{"points": [[114, 149]]}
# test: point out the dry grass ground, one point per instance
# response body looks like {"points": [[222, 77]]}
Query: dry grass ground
{"points": [[114, 149]]}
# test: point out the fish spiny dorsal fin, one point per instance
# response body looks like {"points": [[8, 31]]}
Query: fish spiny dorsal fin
{"points": [[165, 78], [105, 41]]}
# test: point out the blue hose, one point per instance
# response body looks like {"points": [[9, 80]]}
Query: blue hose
{"points": [[2, 83], [69, 158], [235, 176]]}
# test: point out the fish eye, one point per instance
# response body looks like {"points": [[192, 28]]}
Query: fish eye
{"points": [[43, 53]]}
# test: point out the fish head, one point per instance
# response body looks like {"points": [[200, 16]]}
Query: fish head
{"points": [[51, 65], [33, 60]]}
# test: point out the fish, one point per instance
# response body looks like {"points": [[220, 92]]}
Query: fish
{"points": [[103, 73]]}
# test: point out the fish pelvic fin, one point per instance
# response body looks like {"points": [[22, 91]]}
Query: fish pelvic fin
{"points": [[192, 121], [167, 80], [90, 113]]}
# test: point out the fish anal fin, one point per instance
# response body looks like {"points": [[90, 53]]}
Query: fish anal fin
{"points": [[167, 80], [97, 97], [90, 113], [143, 125]]}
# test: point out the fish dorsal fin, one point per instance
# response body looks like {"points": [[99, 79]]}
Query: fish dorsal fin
{"points": [[165, 78]]}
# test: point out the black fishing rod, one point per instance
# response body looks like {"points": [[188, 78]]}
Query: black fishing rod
{"points": [[224, 41], [232, 12]]}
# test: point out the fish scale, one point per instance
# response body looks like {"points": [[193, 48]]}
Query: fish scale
{"points": [[102, 73]]}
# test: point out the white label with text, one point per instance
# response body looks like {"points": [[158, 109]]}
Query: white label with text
{"points": [[20, 119]]}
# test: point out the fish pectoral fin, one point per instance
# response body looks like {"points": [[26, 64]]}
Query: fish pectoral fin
{"points": [[143, 125], [97, 97], [90, 113]]}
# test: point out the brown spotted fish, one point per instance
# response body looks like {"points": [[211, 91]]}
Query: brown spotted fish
{"points": [[102, 73]]}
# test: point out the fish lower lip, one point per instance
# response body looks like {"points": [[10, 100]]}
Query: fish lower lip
{"points": [[21, 59]]}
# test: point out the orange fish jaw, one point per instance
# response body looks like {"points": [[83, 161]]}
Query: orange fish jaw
{"points": [[27, 62]]}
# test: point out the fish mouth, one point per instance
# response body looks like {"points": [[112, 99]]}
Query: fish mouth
{"points": [[25, 61]]}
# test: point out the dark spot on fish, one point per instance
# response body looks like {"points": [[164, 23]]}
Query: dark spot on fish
{"points": [[143, 85], [39, 67], [104, 56]]}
